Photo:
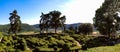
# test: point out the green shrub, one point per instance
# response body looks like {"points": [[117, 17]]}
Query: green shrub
{"points": [[1, 35], [70, 32], [18, 50], [7, 40], [60, 43], [23, 44], [86, 28], [9, 49], [81, 38], [53, 42], [1, 49], [99, 41], [40, 49]]}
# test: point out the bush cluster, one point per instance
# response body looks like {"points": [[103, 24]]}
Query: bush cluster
{"points": [[88, 41], [56, 42], [12, 44]]}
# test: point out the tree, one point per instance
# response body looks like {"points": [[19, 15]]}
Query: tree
{"points": [[44, 22], [62, 21], [14, 22], [106, 19], [56, 20], [52, 20], [86, 28], [71, 28]]}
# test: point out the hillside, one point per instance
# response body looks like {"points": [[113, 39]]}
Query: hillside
{"points": [[66, 25], [25, 27]]}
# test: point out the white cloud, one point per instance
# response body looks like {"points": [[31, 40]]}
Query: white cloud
{"points": [[80, 10]]}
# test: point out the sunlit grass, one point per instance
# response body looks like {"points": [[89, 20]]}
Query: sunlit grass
{"points": [[115, 48], [28, 33]]}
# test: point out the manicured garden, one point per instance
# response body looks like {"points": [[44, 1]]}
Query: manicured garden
{"points": [[36, 43]]}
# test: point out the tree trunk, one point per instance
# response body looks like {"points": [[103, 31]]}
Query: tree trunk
{"points": [[47, 30], [55, 29], [64, 28], [40, 30]]}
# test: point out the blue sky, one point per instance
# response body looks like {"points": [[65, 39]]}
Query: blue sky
{"points": [[30, 10]]}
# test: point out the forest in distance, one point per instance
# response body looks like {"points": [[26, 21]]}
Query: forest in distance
{"points": [[53, 35]]}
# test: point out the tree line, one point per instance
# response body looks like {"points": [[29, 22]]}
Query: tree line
{"points": [[106, 20], [52, 19]]}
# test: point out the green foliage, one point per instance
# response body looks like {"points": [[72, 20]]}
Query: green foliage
{"points": [[39, 49], [106, 19], [23, 44], [88, 41], [15, 22], [1, 35], [70, 32], [1, 49], [9, 49], [6, 44], [13, 43], [101, 41], [71, 28], [33, 42], [115, 48], [81, 38], [52, 20], [86, 28], [52, 42]]}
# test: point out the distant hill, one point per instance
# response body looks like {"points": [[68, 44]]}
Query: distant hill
{"points": [[73, 25], [24, 27], [36, 25], [4, 28], [66, 25]]}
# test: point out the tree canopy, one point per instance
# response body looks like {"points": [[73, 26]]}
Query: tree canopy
{"points": [[86, 28], [15, 22], [106, 19], [52, 20]]}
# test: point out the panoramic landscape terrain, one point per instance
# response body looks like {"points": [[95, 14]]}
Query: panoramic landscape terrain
{"points": [[60, 26]]}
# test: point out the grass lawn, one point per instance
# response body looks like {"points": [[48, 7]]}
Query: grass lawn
{"points": [[115, 48], [28, 33]]}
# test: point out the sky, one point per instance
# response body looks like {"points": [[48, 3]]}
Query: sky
{"points": [[76, 11]]}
